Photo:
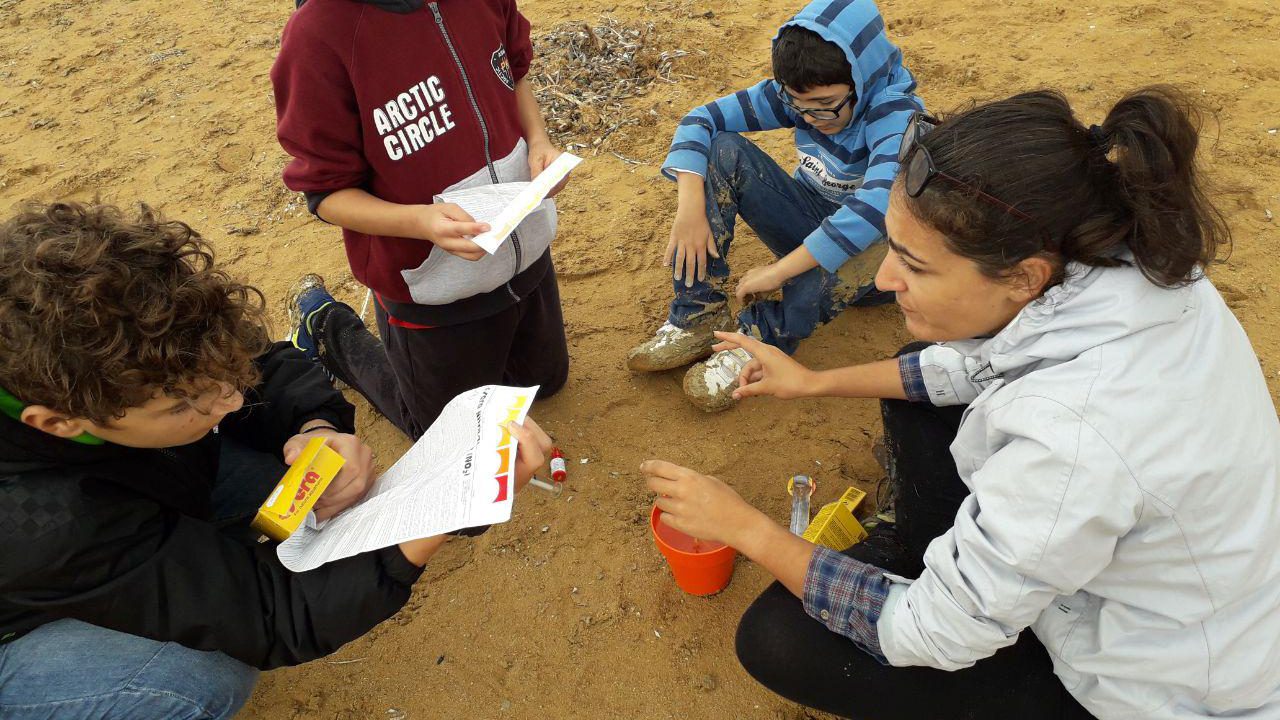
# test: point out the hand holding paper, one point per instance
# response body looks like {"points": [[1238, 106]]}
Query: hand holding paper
{"points": [[533, 447], [462, 472], [451, 228], [506, 205], [541, 156]]}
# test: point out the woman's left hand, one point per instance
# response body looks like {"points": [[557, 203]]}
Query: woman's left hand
{"points": [[699, 505], [541, 155]]}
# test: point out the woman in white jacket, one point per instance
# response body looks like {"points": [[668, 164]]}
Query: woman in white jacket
{"points": [[1086, 449]]}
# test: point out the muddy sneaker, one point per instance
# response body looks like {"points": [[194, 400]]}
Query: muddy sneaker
{"points": [[672, 347], [710, 385], [306, 299]]}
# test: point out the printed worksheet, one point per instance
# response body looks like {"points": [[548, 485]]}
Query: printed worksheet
{"points": [[505, 205], [460, 474]]}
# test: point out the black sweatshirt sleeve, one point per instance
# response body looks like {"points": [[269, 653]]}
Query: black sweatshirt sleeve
{"points": [[121, 563], [313, 202], [293, 390]]}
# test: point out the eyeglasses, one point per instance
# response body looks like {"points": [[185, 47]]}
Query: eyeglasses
{"points": [[918, 169], [815, 113]]}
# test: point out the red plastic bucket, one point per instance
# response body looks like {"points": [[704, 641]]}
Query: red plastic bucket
{"points": [[700, 567]]}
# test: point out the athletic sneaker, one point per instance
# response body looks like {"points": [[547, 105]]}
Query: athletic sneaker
{"points": [[672, 347], [307, 298], [710, 384]]}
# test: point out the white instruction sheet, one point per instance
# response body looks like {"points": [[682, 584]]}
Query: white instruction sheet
{"points": [[460, 474], [506, 205]]}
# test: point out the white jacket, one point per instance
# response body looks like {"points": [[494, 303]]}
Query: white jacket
{"points": [[1123, 457]]}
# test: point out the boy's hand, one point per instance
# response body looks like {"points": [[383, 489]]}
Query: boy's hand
{"points": [[770, 372], [699, 505], [691, 242], [759, 281], [532, 448], [541, 154], [451, 229], [352, 482]]}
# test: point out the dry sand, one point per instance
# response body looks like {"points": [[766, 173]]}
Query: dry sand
{"points": [[568, 611]]}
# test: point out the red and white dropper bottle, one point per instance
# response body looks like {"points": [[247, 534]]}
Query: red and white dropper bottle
{"points": [[558, 474]]}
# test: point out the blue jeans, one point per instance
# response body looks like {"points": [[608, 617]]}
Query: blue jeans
{"points": [[70, 670], [742, 180]]}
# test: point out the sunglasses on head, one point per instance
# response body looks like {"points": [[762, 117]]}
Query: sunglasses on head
{"points": [[918, 169], [815, 113]]}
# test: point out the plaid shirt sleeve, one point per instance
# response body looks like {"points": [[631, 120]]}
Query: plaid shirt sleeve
{"points": [[912, 378], [847, 596]]}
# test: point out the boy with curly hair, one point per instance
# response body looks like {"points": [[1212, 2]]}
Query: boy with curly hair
{"points": [[143, 419]]}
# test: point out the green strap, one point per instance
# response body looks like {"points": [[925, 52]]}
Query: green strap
{"points": [[13, 407]]}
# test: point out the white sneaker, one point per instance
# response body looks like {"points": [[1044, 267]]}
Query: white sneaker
{"points": [[710, 384]]}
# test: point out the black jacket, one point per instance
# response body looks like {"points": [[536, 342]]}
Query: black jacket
{"points": [[120, 538]]}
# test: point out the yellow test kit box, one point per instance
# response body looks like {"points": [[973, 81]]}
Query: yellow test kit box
{"points": [[835, 526], [302, 485]]}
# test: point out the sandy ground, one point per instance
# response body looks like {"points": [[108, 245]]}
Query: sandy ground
{"points": [[569, 611]]}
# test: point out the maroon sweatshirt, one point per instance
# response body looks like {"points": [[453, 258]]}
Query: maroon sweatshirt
{"points": [[407, 99]]}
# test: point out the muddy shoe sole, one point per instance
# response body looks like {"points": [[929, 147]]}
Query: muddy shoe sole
{"points": [[658, 354], [646, 358]]}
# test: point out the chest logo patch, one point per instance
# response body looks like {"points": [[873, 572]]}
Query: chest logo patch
{"points": [[502, 67], [817, 171]]}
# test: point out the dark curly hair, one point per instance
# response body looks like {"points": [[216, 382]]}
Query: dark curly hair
{"points": [[100, 311]]}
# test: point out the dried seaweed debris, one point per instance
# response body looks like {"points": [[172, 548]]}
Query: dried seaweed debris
{"points": [[584, 74]]}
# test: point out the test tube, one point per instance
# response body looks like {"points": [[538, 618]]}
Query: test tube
{"points": [[801, 488], [553, 488]]}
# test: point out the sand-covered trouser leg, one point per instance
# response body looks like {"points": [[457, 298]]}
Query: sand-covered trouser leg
{"points": [[742, 180], [783, 212]]}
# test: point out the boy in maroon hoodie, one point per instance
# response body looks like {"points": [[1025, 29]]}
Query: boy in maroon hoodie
{"points": [[384, 104]]}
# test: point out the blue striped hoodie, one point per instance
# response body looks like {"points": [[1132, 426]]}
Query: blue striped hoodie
{"points": [[854, 168]]}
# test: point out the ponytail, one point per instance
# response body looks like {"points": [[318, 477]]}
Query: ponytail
{"points": [[1172, 227], [1094, 195]]}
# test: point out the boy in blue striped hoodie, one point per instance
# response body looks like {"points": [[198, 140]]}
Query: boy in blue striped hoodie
{"points": [[841, 85]]}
